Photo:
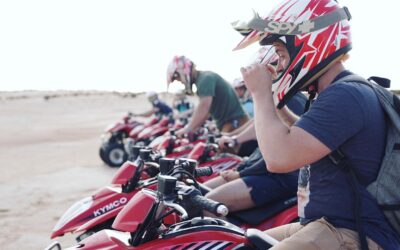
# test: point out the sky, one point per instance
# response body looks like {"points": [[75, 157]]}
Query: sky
{"points": [[121, 45]]}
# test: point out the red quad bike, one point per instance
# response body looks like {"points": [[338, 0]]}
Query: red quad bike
{"points": [[170, 146], [109, 200], [98, 211], [205, 153], [112, 149], [145, 135], [148, 227]]}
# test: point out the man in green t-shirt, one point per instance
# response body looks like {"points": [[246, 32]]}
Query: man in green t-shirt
{"points": [[216, 97]]}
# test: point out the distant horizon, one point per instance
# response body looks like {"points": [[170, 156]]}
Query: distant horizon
{"points": [[99, 90]]}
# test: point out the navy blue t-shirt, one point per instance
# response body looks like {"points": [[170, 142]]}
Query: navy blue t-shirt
{"points": [[349, 116], [163, 108]]}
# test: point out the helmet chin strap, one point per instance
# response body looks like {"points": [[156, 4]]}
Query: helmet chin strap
{"points": [[312, 90]]}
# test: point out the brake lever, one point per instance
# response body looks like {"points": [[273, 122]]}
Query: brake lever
{"points": [[178, 208]]}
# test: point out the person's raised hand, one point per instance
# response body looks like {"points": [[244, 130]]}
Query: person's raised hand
{"points": [[257, 78]]}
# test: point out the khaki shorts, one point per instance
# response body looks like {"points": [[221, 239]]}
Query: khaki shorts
{"points": [[318, 234]]}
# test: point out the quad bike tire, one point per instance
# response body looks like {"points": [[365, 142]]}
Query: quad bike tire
{"points": [[113, 154], [102, 154]]}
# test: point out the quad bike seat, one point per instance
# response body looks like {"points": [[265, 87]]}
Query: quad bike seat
{"points": [[255, 216]]}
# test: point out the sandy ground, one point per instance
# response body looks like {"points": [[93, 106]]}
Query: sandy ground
{"points": [[49, 159]]}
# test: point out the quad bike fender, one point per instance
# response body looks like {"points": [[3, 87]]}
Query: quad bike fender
{"points": [[104, 201], [197, 151], [99, 220], [108, 202], [124, 173], [135, 132], [115, 127], [145, 133], [159, 131], [197, 238], [135, 212]]}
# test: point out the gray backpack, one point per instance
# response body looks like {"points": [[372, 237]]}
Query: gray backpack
{"points": [[386, 188]]}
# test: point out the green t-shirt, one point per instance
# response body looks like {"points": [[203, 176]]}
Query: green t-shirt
{"points": [[225, 104]]}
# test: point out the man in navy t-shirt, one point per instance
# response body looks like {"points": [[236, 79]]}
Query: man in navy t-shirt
{"points": [[311, 39], [363, 146], [159, 107]]}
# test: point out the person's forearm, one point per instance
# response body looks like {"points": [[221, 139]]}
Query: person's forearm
{"points": [[272, 134], [199, 116], [186, 113], [147, 113], [249, 133], [240, 129]]}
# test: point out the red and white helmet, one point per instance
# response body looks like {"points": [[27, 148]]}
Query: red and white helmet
{"points": [[315, 33], [181, 67]]}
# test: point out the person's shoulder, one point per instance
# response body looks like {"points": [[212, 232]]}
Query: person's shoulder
{"points": [[208, 74], [350, 82], [338, 91], [207, 78], [344, 93], [349, 87], [162, 103]]}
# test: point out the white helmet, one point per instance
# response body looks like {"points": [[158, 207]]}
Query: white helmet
{"points": [[238, 82], [181, 67], [151, 96]]}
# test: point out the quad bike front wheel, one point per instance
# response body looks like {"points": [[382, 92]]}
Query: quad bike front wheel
{"points": [[113, 154]]}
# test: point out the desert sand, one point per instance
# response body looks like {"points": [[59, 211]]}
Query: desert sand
{"points": [[49, 144]]}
